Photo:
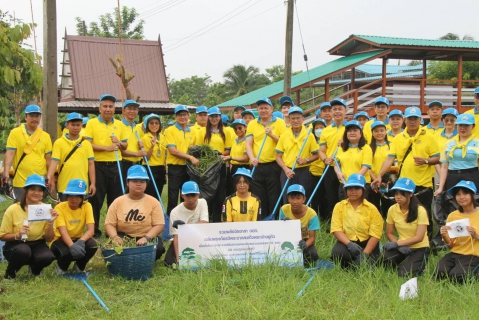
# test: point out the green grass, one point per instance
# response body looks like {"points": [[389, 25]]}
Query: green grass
{"points": [[261, 292]]}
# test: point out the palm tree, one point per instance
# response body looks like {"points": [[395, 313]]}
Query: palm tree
{"points": [[241, 79], [455, 36]]}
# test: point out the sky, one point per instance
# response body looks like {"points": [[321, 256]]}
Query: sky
{"points": [[209, 36]]}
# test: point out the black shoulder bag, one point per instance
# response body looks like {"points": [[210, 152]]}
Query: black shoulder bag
{"points": [[78, 145]]}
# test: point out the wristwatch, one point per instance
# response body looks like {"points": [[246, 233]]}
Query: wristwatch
{"points": [[426, 160], [147, 238]]}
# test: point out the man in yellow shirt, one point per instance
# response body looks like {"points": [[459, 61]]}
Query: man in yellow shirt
{"points": [[107, 136], [475, 112], [201, 119], [268, 129], [237, 112], [435, 125], [29, 150], [417, 152], [381, 107]]}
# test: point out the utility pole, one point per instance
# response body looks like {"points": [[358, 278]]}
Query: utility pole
{"points": [[50, 91], [288, 52]]}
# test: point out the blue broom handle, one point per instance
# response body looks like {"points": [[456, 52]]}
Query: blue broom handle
{"points": [[259, 153], [95, 295], [322, 177], [119, 169]]}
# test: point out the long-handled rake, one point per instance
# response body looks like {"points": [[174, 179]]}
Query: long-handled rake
{"points": [[82, 276], [119, 169], [320, 180], [260, 150]]}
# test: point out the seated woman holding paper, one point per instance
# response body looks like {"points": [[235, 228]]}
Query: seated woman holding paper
{"points": [[25, 242], [70, 242], [461, 236], [136, 215], [408, 217], [356, 224]]}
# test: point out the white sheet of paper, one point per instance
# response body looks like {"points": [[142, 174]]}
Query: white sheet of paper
{"points": [[408, 289], [458, 228], [39, 212]]}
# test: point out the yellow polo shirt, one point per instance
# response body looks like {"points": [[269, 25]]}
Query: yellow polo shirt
{"points": [[238, 150], [240, 210], [158, 155], [359, 224], [353, 159], [74, 220], [434, 131], [133, 141], [424, 145], [368, 133], [179, 139], [463, 245], [77, 166], [13, 220], [407, 230], [216, 141], [442, 139], [194, 128], [475, 131], [317, 167], [35, 161], [289, 145], [330, 138], [257, 130], [379, 157], [309, 221], [98, 132]]}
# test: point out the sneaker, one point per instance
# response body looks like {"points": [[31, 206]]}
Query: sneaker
{"points": [[76, 269], [59, 270]]}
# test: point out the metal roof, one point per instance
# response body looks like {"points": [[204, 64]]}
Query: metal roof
{"points": [[303, 79], [377, 68], [421, 42], [91, 106], [87, 73]]}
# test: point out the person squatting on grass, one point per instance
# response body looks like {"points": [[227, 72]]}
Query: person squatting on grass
{"points": [[71, 243], [25, 243], [408, 217], [242, 205], [136, 215], [191, 210], [297, 210], [463, 260], [356, 224]]}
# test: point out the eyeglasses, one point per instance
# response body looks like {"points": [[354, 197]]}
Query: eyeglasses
{"points": [[244, 183], [238, 128], [449, 120]]}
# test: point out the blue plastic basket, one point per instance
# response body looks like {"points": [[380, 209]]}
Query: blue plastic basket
{"points": [[133, 263]]}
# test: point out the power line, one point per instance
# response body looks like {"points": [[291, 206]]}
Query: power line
{"points": [[305, 56], [160, 8]]}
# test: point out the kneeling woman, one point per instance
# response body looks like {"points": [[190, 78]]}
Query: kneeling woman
{"points": [[70, 243], [136, 215], [409, 218], [356, 224], [25, 243], [463, 260]]}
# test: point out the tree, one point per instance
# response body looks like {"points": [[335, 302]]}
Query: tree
{"points": [[455, 36], [108, 26], [240, 80], [276, 73]]}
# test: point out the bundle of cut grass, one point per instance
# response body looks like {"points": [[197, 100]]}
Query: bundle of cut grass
{"points": [[206, 155]]}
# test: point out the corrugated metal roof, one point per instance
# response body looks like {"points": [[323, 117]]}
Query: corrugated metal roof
{"points": [[93, 75], [377, 68], [421, 42], [145, 107], [318, 73]]}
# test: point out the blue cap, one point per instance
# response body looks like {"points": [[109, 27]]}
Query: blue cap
{"points": [[319, 120], [181, 108], [464, 184], [355, 180], [248, 111], [33, 108], [338, 101], [150, 117], [296, 188], [476, 91], [170, 123], [466, 118], [361, 114], [85, 120], [243, 172], [224, 118], [137, 172], [35, 180], [277, 114], [131, 103], [353, 123], [74, 116], [284, 99], [75, 187], [451, 111], [325, 104], [413, 112], [318, 112], [294, 109], [201, 109], [381, 100], [190, 187], [264, 100], [214, 110], [404, 184], [396, 112], [435, 103], [377, 123], [107, 97], [238, 121], [239, 107]]}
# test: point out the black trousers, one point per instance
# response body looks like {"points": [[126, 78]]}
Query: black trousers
{"points": [[230, 185], [341, 253], [318, 202], [407, 266], [332, 186], [426, 200], [310, 255], [107, 184], [380, 202], [125, 165], [33, 253], [302, 176], [64, 257], [266, 186], [170, 256], [457, 267], [159, 177], [177, 175], [215, 205]]}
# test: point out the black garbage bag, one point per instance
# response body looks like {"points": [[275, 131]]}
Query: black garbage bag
{"points": [[207, 180]]}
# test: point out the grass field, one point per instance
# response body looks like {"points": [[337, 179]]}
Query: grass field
{"points": [[262, 292]]}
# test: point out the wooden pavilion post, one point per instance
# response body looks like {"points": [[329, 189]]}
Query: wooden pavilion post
{"points": [[422, 95], [298, 97], [383, 91], [353, 78], [459, 82], [326, 89]]}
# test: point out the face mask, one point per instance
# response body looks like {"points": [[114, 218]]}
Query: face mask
{"points": [[317, 132]]}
